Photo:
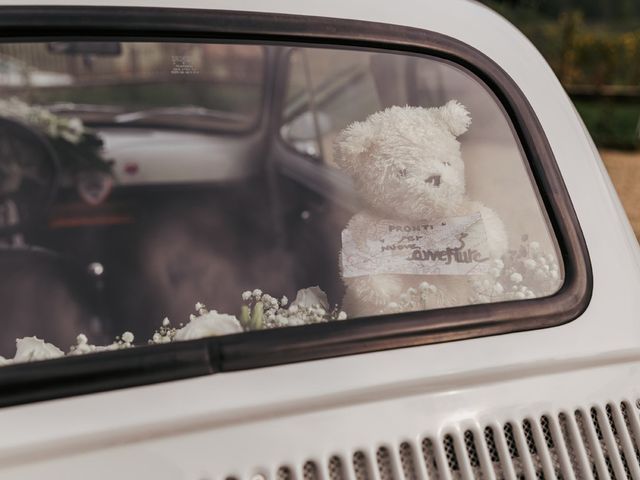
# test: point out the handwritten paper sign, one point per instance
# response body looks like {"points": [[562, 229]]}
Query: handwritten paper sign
{"points": [[451, 246]]}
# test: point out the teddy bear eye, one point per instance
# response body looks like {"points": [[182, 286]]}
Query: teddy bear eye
{"points": [[402, 172]]}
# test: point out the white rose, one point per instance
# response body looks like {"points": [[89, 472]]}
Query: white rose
{"points": [[29, 349], [308, 297], [5, 361], [209, 325], [75, 124], [70, 136], [127, 337]]}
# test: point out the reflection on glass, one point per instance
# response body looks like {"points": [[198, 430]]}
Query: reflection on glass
{"points": [[158, 192]]}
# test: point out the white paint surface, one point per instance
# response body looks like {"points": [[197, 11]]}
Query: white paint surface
{"points": [[239, 422]]}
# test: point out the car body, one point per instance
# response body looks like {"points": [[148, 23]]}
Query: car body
{"points": [[560, 400]]}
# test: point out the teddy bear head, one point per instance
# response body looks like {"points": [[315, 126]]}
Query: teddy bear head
{"points": [[405, 162]]}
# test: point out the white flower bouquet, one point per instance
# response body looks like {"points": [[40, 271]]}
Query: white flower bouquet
{"points": [[78, 148], [526, 272], [261, 311]]}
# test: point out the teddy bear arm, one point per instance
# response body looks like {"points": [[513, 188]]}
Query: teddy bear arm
{"points": [[497, 239], [371, 294], [358, 227]]}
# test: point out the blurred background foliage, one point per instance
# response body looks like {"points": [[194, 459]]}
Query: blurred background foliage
{"points": [[594, 48]]}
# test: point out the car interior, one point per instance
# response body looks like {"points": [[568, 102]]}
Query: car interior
{"points": [[205, 200]]}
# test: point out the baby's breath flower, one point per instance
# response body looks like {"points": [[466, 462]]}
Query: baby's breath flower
{"points": [[515, 277], [246, 295]]}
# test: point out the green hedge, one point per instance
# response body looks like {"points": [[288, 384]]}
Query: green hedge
{"points": [[588, 54], [612, 125]]}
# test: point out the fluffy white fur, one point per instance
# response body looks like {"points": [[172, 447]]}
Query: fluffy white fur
{"points": [[393, 157]]}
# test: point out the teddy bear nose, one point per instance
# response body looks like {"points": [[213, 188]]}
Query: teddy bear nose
{"points": [[433, 180]]}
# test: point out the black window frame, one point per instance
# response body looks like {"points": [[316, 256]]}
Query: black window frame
{"points": [[29, 382]]}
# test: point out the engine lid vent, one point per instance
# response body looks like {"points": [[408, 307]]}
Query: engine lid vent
{"points": [[601, 442]]}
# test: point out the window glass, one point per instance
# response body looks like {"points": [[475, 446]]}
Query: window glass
{"points": [[204, 85], [144, 198]]}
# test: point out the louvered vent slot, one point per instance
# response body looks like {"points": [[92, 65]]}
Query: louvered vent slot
{"points": [[494, 454], [549, 441], [625, 408], [516, 461], [430, 459], [604, 448], [580, 421], [533, 449], [571, 443], [408, 461], [617, 449], [284, 473], [361, 466], [472, 454], [600, 442], [383, 458], [336, 469], [310, 471], [452, 456]]}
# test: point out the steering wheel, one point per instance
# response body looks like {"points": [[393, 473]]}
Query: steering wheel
{"points": [[29, 177]]}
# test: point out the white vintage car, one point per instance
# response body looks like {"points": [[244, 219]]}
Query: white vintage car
{"points": [[194, 157]]}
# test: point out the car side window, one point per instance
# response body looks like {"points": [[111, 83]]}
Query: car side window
{"points": [[428, 201]]}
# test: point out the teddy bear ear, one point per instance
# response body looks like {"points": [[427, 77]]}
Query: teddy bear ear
{"points": [[351, 142], [455, 116]]}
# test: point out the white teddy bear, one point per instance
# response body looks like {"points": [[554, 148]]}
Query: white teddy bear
{"points": [[420, 242]]}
